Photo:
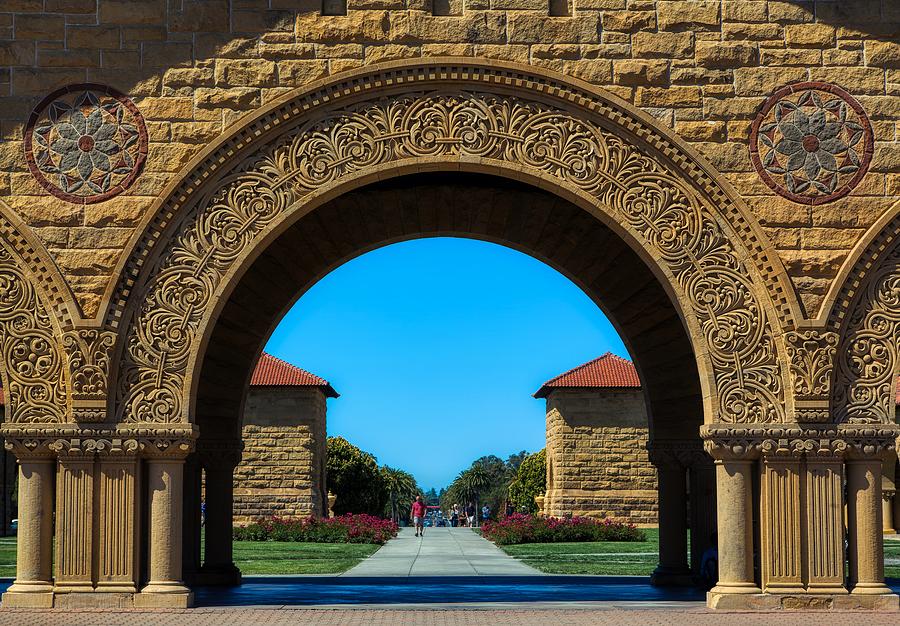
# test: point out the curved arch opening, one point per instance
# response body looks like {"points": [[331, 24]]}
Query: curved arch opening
{"points": [[483, 207]]}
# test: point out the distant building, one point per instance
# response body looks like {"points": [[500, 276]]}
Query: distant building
{"points": [[282, 469], [597, 432]]}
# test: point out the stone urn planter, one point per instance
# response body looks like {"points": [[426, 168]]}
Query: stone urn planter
{"points": [[539, 501], [332, 498]]}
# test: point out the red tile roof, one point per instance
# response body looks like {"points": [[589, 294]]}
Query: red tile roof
{"points": [[273, 372], [609, 371]]}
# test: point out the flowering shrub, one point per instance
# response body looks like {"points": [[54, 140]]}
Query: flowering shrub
{"points": [[519, 528], [349, 528]]}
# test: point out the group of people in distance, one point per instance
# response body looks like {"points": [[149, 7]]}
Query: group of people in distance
{"points": [[460, 516]]}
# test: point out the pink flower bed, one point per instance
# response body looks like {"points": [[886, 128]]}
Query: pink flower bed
{"points": [[349, 528], [519, 528]]}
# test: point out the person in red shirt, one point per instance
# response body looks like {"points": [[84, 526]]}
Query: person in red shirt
{"points": [[418, 515]]}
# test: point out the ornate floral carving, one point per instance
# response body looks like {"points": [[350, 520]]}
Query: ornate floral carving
{"points": [[811, 143], [38, 441], [34, 385], [86, 143], [811, 354], [89, 352], [89, 356], [864, 385], [733, 441], [663, 211]]}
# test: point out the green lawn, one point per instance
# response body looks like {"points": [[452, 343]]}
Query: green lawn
{"points": [[623, 558], [258, 557], [617, 558], [277, 557], [7, 556], [892, 551]]}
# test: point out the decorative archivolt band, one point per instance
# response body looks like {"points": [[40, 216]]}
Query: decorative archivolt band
{"points": [[35, 387], [674, 223], [867, 363]]}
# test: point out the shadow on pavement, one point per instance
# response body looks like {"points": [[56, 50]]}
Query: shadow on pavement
{"points": [[274, 590]]}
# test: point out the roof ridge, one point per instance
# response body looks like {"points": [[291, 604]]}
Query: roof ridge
{"points": [[608, 370], [605, 355]]}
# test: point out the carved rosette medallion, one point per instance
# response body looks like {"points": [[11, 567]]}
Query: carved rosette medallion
{"points": [[661, 208], [811, 142], [86, 143]]}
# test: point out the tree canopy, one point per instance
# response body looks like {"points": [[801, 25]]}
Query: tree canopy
{"points": [[530, 481]]}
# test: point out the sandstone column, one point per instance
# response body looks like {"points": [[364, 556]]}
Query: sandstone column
{"points": [[781, 561], [672, 479], [118, 518], [74, 518], [734, 513], [33, 586], [219, 460], [164, 484], [864, 515], [825, 521]]}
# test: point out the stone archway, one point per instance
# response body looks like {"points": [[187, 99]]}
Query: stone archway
{"points": [[599, 152], [757, 372]]}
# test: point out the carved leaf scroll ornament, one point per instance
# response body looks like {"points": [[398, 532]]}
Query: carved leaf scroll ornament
{"points": [[867, 358], [672, 221], [32, 356]]}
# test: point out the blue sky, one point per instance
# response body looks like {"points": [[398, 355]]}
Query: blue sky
{"points": [[436, 346]]}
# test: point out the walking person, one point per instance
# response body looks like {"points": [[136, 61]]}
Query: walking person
{"points": [[470, 515], [485, 513], [454, 516], [418, 515]]}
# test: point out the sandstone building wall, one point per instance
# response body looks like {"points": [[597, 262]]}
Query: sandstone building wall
{"points": [[597, 461], [282, 469], [701, 67]]}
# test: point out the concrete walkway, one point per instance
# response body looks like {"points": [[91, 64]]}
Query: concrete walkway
{"points": [[441, 552]]}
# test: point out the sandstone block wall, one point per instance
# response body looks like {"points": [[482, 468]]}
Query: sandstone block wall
{"points": [[282, 470], [597, 463], [702, 67]]}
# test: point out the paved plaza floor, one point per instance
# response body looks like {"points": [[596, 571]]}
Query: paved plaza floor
{"points": [[441, 552], [449, 577], [600, 616]]}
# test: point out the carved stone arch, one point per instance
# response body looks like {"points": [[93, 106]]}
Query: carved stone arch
{"points": [[864, 312], [448, 115], [36, 310]]}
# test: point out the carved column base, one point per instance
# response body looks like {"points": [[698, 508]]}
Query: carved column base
{"points": [[164, 596], [27, 598], [800, 601]]}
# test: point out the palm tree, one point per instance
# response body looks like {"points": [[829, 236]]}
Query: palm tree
{"points": [[472, 482], [400, 486]]}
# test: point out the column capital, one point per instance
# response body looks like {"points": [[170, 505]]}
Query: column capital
{"points": [[740, 441]]}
